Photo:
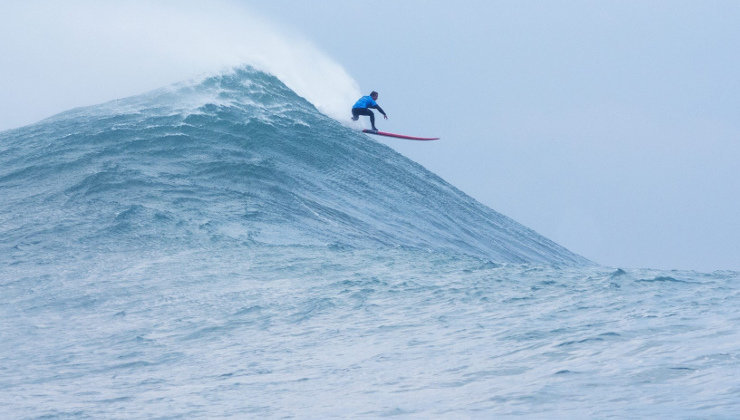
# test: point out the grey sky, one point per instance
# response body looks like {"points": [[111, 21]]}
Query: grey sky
{"points": [[610, 127]]}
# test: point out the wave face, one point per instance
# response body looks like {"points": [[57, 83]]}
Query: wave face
{"points": [[222, 250], [235, 159]]}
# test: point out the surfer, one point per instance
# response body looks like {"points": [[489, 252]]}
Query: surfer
{"points": [[361, 107]]}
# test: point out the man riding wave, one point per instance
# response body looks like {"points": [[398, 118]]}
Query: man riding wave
{"points": [[361, 107]]}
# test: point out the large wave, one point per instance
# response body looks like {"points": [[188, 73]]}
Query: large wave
{"points": [[235, 159]]}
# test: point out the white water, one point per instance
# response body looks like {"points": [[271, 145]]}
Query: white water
{"points": [[82, 52]]}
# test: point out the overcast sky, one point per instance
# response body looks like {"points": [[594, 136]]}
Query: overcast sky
{"points": [[611, 127]]}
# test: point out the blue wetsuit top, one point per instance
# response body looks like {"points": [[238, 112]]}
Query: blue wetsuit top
{"points": [[367, 102]]}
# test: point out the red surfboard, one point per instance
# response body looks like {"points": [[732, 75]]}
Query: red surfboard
{"points": [[398, 136]]}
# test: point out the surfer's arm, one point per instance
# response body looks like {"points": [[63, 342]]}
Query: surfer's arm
{"points": [[380, 110]]}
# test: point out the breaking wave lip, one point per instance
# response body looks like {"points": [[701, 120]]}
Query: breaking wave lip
{"points": [[139, 45], [238, 158]]}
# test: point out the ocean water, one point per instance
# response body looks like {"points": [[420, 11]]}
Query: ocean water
{"points": [[219, 249]]}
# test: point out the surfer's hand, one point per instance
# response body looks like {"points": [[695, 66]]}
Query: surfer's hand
{"points": [[385, 116]]}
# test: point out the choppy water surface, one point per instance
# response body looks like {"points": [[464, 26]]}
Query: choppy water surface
{"points": [[317, 332], [221, 249]]}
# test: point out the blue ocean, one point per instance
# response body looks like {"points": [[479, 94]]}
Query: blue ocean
{"points": [[218, 248]]}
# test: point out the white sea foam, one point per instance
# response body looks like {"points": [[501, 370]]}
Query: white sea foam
{"points": [[83, 52]]}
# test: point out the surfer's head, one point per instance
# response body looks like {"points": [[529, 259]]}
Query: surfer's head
{"points": [[374, 95]]}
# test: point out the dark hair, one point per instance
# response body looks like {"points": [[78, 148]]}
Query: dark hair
{"points": [[373, 93]]}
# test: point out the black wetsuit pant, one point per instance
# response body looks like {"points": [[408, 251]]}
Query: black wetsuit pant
{"points": [[356, 112]]}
